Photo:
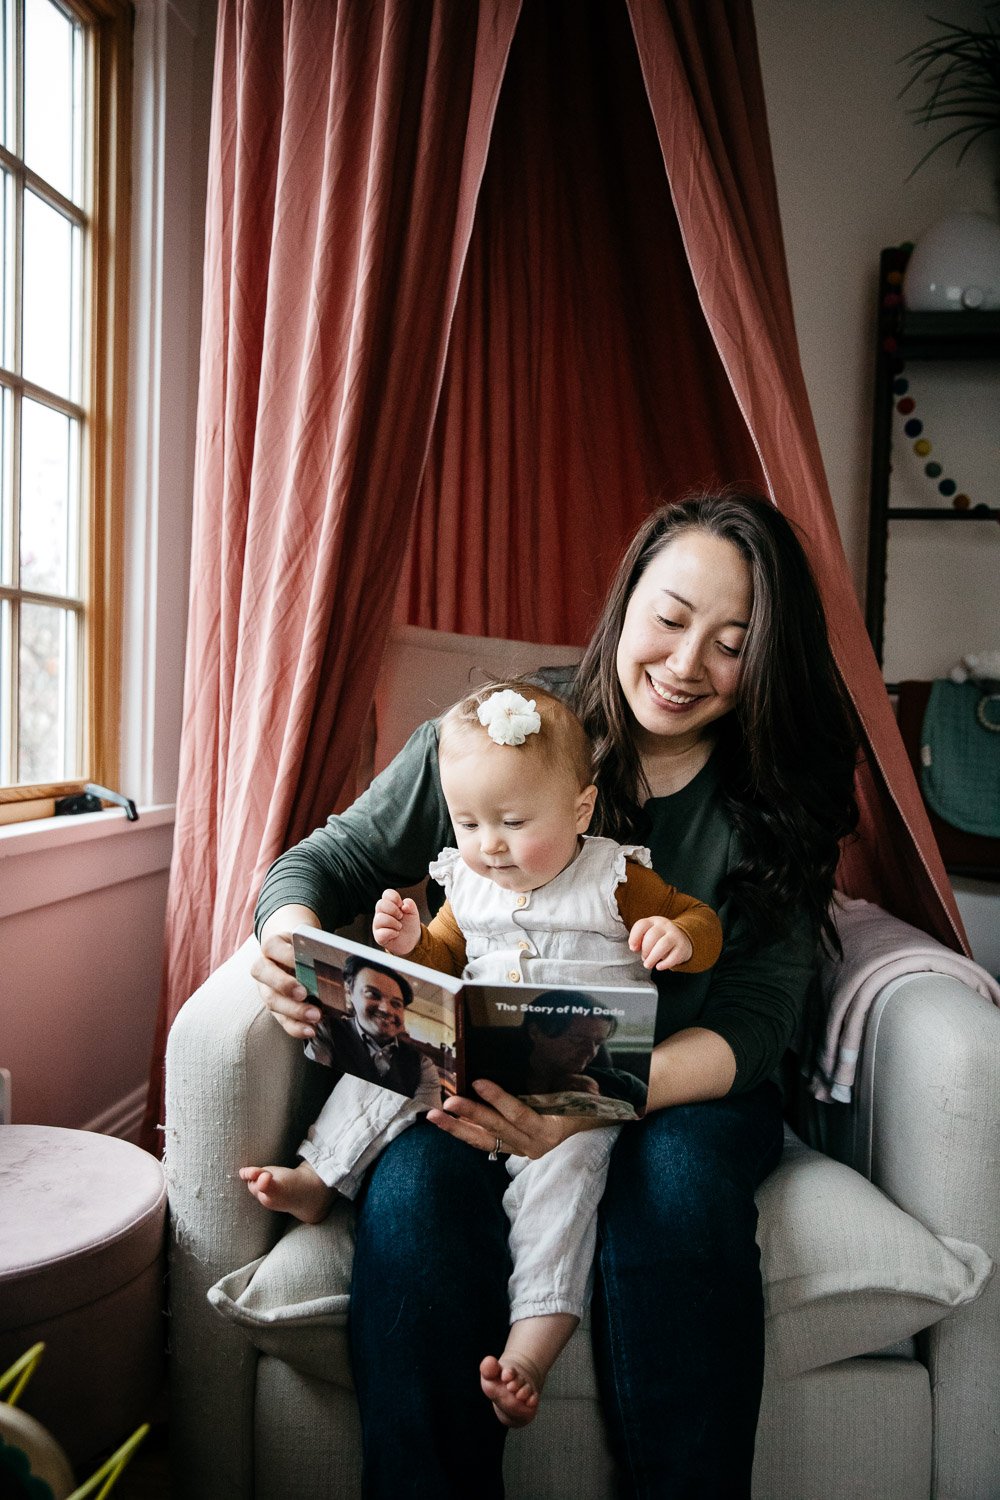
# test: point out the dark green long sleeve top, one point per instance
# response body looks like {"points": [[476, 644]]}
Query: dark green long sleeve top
{"points": [[393, 831]]}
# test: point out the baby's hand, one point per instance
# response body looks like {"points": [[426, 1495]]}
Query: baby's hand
{"points": [[662, 943], [396, 924]]}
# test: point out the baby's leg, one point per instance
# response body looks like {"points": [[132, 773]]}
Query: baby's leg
{"points": [[291, 1190], [514, 1381], [552, 1207]]}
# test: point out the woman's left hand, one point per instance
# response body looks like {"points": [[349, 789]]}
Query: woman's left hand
{"points": [[520, 1130]]}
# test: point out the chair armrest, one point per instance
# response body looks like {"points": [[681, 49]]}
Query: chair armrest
{"points": [[237, 1093], [929, 1076], [929, 1088], [924, 1125]]}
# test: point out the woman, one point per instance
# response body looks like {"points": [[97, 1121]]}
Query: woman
{"points": [[723, 740]]}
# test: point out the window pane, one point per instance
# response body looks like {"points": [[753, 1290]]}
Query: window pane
{"points": [[8, 117], [8, 548], [6, 698], [48, 500], [51, 300], [47, 694], [8, 309], [51, 96]]}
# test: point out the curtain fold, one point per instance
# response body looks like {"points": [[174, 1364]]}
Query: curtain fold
{"points": [[582, 380], [348, 144], [702, 77]]}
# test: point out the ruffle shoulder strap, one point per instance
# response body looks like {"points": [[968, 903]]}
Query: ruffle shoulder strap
{"points": [[636, 852], [442, 869]]}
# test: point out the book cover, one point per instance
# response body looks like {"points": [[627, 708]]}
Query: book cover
{"points": [[561, 1049]]}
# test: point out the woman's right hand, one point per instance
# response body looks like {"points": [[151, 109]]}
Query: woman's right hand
{"points": [[286, 999]]}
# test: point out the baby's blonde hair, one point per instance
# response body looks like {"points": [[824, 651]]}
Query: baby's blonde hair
{"points": [[561, 742]]}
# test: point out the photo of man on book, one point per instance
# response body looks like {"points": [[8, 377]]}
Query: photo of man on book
{"points": [[369, 1038]]}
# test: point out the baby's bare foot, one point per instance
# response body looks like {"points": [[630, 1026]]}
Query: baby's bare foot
{"points": [[291, 1190], [513, 1384]]}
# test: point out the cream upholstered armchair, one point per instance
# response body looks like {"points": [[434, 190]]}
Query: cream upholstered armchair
{"points": [[883, 1328]]}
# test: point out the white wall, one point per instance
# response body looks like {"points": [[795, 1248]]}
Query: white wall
{"points": [[843, 148], [82, 900]]}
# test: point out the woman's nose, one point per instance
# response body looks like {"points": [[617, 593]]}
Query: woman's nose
{"points": [[685, 659]]}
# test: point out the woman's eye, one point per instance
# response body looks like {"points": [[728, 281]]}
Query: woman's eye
{"points": [[729, 650], [670, 624]]}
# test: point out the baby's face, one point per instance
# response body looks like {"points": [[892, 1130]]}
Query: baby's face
{"points": [[517, 821]]}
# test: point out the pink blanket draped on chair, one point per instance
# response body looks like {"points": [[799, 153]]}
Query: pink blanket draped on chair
{"points": [[878, 949]]}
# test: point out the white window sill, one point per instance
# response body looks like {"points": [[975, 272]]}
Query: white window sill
{"points": [[55, 859], [51, 833]]}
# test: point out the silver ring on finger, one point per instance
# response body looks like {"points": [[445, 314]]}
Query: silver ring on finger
{"points": [[495, 1153]]}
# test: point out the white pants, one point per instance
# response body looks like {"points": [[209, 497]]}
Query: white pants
{"points": [[551, 1203], [552, 1207]]}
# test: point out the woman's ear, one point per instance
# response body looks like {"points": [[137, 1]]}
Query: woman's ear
{"points": [[585, 808]]}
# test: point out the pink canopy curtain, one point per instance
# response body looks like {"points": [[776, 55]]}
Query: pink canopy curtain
{"points": [[348, 143], [582, 378], [521, 369]]}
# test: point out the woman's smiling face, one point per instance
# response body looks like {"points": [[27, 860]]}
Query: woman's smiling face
{"points": [[685, 625]]}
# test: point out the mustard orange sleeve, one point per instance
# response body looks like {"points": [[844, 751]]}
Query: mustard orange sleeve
{"points": [[441, 944], [644, 894]]}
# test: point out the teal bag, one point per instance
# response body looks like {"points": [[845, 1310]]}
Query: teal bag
{"points": [[960, 756]]}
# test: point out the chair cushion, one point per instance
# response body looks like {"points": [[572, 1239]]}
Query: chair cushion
{"points": [[293, 1302], [845, 1271]]}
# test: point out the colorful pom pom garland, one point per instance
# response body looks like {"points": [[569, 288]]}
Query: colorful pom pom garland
{"points": [[913, 427], [903, 398]]}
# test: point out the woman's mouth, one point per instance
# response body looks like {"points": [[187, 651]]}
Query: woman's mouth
{"points": [[671, 696]]}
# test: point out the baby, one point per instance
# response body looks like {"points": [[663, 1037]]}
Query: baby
{"points": [[528, 895]]}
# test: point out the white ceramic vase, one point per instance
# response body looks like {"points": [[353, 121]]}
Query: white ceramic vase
{"points": [[955, 266]]}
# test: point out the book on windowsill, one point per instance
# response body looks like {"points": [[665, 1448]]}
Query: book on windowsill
{"points": [[562, 1049]]}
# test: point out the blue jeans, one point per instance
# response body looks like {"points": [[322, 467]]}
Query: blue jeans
{"points": [[677, 1315]]}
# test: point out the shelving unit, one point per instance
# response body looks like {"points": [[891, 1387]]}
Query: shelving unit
{"points": [[905, 336]]}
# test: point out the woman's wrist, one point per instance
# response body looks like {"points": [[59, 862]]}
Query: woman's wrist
{"points": [[285, 918]]}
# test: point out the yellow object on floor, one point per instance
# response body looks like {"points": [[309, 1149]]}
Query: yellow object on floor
{"points": [[25, 1441]]}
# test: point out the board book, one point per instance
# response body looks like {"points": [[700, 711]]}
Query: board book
{"points": [[563, 1049]]}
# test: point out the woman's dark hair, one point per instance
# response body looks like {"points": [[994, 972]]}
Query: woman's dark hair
{"points": [[788, 751], [541, 1013]]}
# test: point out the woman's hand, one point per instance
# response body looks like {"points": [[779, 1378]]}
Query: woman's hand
{"points": [[286, 999], [520, 1130], [396, 924]]}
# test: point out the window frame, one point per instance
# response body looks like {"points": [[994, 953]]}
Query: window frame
{"points": [[110, 28]]}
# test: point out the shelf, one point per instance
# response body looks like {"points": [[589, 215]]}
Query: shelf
{"points": [[940, 513], [902, 335], [947, 335]]}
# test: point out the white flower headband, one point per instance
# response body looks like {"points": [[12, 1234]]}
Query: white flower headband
{"points": [[508, 718]]}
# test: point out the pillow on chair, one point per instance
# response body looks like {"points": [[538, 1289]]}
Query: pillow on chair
{"points": [[845, 1271]]}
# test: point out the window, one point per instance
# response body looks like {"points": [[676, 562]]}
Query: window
{"points": [[64, 228]]}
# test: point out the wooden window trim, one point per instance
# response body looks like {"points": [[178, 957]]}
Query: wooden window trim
{"points": [[111, 24], [110, 251]]}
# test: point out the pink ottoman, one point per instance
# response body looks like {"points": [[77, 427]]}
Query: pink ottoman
{"points": [[82, 1221]]}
